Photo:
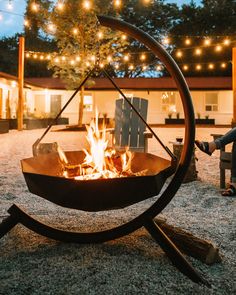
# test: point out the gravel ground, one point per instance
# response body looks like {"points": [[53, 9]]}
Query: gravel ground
{"points": [[134, 264]]}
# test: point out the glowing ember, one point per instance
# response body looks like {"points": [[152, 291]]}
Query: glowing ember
{"points": [[100, 161]]}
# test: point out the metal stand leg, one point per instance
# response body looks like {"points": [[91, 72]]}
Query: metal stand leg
{"points": [[7, 224], [173, 253]]}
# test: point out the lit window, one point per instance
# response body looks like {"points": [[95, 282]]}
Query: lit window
{"points": [[168, 101], [88, 102], [211, 102]]}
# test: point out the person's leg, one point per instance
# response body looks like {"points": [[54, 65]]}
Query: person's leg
{"points": [[231, 190], [229, 137], [211, 146]]}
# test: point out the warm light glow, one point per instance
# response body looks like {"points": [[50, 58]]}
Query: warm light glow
{"points": [[198, 51], [41, 57], [63, 58], [211, 66], [27, 55], [207, 42], [35, 56], [109, 58], [198, 67], [143, 56], [159, 68], [26, 23], [166, 41], [34, 7], [93, 58], [48, 57], [117, 3], [144, 68], [78, 58], [87, 63], [75, 31], [187, 41], [100, 35], [86, 4], [117, 66], [72, 62], [60, 5], [123, 37], [223, 65], [56, 59], [179, 53], [226, 42], [185, 67], [218, 48], [51, 28], [126, 57], [131, 67], [101, 65]]}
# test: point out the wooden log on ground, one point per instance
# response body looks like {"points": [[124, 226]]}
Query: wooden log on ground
{"points": [[189, 244]]}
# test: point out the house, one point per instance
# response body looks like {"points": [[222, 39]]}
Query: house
{"points": [[44, 97]]}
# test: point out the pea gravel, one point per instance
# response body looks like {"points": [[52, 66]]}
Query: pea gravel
{"points": [[134, 264]]}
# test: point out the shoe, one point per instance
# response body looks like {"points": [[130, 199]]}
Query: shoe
{"points": [[203, 146], [229, 192]]}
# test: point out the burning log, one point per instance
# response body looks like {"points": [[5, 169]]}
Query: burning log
{"points": [[189, 244]]}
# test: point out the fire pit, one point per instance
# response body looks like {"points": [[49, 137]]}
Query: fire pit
{"points": [[53, 177], [44, 177]]}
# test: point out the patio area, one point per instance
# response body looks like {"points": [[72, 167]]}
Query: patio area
{"points": [[134, 264]]}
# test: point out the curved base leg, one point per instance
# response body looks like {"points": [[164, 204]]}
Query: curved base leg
{"points": [[7, 224], [173, 253]]}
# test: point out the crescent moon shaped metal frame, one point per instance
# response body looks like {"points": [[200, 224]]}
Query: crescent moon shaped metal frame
{"points": [[17, 215]]}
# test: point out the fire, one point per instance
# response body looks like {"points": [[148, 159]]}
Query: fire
{"points": [[100, 161]]}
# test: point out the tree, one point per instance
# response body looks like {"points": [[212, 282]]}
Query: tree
{"points": [[9, 55], [81, 41]]}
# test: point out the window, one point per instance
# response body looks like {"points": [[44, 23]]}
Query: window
{"points": [[168, 102], [88, 102], [211, 102]]}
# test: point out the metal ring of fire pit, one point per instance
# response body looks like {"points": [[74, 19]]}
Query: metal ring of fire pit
{"points": [[146, 218]]}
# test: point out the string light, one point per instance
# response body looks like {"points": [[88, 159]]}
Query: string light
{"points": [[185, 67], [207, 42], [198, 67], [26, 23], [179, 53], [123, 37], [218, 48], [226, 42], [126, 57], [100, 35], [166, 40], [211, 66], [223, 65], [117, 3], [142, 57], [198, 51], [187, 41], [34, 7], [86, 4], [75, 31], [60, 5]]}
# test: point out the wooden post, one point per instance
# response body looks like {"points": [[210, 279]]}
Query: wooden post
{"points": [[20, 107], [234, 84]]}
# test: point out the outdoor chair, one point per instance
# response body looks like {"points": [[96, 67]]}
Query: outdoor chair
{"points": [[225, 161], [129, 129]]}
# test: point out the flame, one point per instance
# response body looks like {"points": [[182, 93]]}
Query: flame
{"points": [[100, 161]]}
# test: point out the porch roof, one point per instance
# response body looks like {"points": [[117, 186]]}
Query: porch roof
{"points": [[163, 83]]}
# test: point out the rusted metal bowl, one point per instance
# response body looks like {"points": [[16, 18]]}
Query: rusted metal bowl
{"points": [[44, 177]]}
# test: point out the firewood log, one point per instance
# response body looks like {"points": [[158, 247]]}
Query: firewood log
{"points": [[189, 244]]}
